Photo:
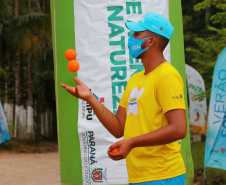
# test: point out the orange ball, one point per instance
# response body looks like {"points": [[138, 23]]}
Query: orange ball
{"points": [[115, 150], [70, 54], [73, 66]]}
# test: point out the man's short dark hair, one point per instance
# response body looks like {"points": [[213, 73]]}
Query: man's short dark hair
{"points": [[163, 41]]}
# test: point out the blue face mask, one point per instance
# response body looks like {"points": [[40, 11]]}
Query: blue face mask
{"points": [[134, 46]]}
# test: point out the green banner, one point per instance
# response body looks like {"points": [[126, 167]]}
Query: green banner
{"points": [[178, 61], [62, 14]]}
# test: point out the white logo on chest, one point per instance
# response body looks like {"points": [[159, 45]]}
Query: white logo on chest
{"points": [[133, 101]]}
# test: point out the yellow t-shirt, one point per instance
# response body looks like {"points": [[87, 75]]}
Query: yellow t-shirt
{"points": [[146, 99]]}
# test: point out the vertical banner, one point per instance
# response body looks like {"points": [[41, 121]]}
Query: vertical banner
{"points": [[97, 30], [215, 154], [178, 61], [197, 108], [4, 131], [63, 38], [105, 67]]}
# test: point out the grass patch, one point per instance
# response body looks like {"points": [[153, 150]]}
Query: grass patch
{"points": [[19, 146], [214, 176]]}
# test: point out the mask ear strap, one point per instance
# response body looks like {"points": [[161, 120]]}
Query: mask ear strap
{"points": [[149, 38], [144, 42]]}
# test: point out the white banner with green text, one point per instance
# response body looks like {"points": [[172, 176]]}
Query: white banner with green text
{"points": [[197, 105], [105, 67]]}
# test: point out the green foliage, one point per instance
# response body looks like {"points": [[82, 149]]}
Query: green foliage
{"points": [[28, 20], [44, 77], [203, 5], [2, 72], [26, 38], [219, 18], [206, 4], [4, 13], [204, 38]]}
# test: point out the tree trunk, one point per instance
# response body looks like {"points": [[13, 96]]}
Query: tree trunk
{"points": [[29, 80], [6, 89], [207, 17], [39, 7], [17, 71], [16, 8], [30, 111], [8, 105], [37, 122], [29, 6], [17, 95], [17, 80]]}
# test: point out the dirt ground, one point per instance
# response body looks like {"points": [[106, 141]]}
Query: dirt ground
{"points": [[29, 169]]}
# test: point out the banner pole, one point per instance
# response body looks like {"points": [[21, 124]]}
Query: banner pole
{"points": [[204, 179]]}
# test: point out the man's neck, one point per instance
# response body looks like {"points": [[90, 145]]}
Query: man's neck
{"points": [[152, 62]]}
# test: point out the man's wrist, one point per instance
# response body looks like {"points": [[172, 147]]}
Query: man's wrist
{"points": [[132, 142], [90, 98]]}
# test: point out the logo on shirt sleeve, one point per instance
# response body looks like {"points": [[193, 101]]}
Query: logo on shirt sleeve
{"points": [[133, 100], [180, 96]]}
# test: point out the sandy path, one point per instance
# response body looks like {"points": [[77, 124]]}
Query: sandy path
{"points": [[29, 169]]}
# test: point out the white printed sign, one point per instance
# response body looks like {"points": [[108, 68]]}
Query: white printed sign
{"points": [[101, 40], [197, 108]]}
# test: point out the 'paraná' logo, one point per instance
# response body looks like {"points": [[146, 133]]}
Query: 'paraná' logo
{"points": [[99, 174]]}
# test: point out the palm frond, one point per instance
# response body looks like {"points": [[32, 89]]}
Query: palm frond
{"points": [[4, 13], [2, 72], [28, 20]]}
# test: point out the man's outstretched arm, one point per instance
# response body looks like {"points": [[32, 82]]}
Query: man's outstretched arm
{"points": [[113, 123]]}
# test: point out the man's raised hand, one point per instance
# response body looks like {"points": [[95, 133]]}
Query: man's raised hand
{"points": [[82, 91]]}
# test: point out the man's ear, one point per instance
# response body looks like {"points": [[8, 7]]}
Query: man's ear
{"points": [[148, 43], [151, 41]]}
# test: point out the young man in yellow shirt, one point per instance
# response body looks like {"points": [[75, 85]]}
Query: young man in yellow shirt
{"points": [[151, 114]]}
